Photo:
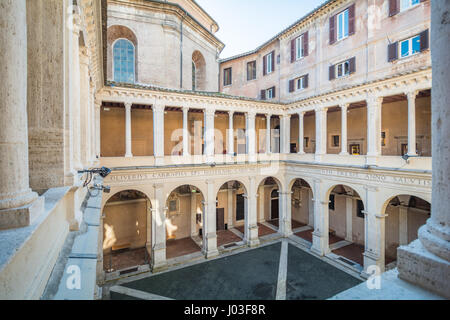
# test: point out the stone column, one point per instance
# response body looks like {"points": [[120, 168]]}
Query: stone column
{"points": [[301, 132], [268, 134], [374, 224], [194, 231], [321, 133], [261, 203], [158, 133], [75, 93], [426, 261], [209, 223], [209, 134], [85, 97], [285, 134], [349, 218], [310, 208], [230, 205], [251, 223], [412, 123], [230, 133], [18, 204], [373, 129], [186, 138], [251, 136], [321, 232], [98, 107], [158, 260], [285, 220], [128, 153], [402, 225], [344, 109]]}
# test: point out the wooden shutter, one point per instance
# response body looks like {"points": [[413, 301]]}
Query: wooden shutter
{"points": [[394, 7], [274, 90], [264, 65], [273, 60], [393, 52], [306, 81], [305, 43], [263, 94], [333, 29], [291, 85], [352, 65], [293, 51], [424, 40], [231, 75], [351, 20], [332, 72]]}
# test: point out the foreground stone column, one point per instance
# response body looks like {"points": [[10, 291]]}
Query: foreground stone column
{"points": [[344, 109], [285, 220], [185, 132], [412, 123], [320, 234], [158, 260], [18, 204], [251, 223], [426, 261], [98, 108], [268, 134], [209, 223], [128, 153], [158, 133], [301, 132]]}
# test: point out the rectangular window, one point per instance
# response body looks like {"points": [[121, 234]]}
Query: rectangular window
{"points": [[301, 83], [299, 45], [335, 140], [251, 70], [269, 63], [342, 69], [270, 93], [355, 149], [359, 209], [306, 142], [406, 4], [342, 25], [383, 139], [331, 203], [227, 77], [409, 47]]}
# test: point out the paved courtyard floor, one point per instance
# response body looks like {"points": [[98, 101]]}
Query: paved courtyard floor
{"points": [[276, 271]]}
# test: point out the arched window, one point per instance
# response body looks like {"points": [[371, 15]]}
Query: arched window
{"points": [[124, 64]]}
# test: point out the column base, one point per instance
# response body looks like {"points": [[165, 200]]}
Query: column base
{"points": [[301, 153], [129, 155], [417, 265], [252, 240], [320, 244], [159, 161], [159, 262], [210, 246], [22, 216], [344, 153], [371, 160], [371, 259], [318, 157]]}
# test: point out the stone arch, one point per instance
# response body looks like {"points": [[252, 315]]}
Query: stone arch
{"points": [[115, 190], [306, 179], [277, 180], [391, 194], [126, 225], [218, 184], [199, 71], [269, 214], [115, 33], [302, 205]]}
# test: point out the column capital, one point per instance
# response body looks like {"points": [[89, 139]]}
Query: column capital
{"points": [[209, 111], [287, 116], [411, 95], [158, 107], [321, 110], [185, 109], [128, 105], [158, 185], [374, 102], [301, 113], [251, 114], [268, 115], [231, 113], [344, 106]]}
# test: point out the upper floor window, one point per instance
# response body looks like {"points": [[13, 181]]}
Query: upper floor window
{"points": [[251, 70], [409, 47], [342, 69], [342, 25], [299, 83], [268, 93], [299, 47], [269, 63], [124, 61], [227, 77], [406, 4]]}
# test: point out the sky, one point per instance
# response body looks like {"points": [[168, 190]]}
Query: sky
{"points": [[246, 24]]}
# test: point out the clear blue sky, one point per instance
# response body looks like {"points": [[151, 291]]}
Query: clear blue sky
{"points": [[246, 24]]}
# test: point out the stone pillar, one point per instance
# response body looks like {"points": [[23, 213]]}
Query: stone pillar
{"points": [[75, 93], [209, 134], [301, 132], [194, 231], [158, 133], [261, 203], [230, 205], [268, 134], [18, 204], [321, 232], [374, 224], [373, 129], [310, 208], [285, 220], [344, 109], [285, 131], [98, 107], [321, 133], [251, 223], [128, 153], [402, 225], [85, 97], [412, 123], [251, 136], [158, 260], [209, 223], [426, 261], [230, 133], [186, 138], [349, 218]]}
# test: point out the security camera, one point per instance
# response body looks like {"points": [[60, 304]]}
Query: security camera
{"points": [[103, 171]]}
